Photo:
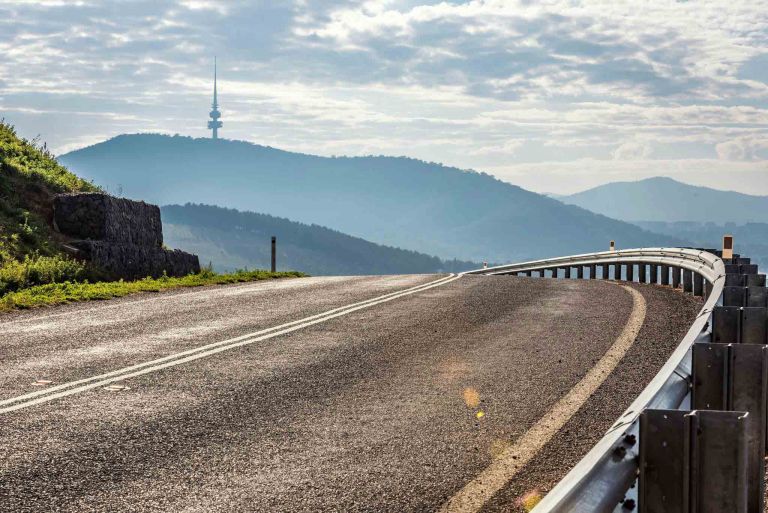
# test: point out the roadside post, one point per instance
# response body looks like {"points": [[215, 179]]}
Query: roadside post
{"points": [[274, 254], [727, 247]]}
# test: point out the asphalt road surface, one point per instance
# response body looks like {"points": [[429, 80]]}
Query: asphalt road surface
{"points": [[309, 395]]}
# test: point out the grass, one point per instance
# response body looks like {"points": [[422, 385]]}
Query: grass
{"points": [[68, 292], [29, 178]]}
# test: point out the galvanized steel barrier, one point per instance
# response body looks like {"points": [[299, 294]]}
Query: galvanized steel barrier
{"points": [[694, 439]]}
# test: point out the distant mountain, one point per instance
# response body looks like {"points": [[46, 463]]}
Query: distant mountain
{"points": [[750, 239], [665, 199], [399, 202], [231, 240]]}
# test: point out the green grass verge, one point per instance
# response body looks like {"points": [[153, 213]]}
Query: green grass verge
{"points": [[67, 292]]}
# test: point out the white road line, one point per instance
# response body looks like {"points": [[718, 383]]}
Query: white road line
{"points": [[182, 293], [480, 490], [82, 385]]}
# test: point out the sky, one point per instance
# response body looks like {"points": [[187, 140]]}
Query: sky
{"points": [[554, 96]]}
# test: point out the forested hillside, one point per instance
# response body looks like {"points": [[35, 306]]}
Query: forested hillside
{"points": [[400, 202], [230, 239]]}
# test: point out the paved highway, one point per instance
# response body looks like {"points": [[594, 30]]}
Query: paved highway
{"points": [[397, 393]]}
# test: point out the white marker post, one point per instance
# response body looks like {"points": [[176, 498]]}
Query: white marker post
{"points": [[613, 245], [727, 247]]}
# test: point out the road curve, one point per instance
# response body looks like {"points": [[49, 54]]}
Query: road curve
{"points": [[393, 405]]}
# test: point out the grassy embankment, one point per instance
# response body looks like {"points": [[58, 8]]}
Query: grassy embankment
{"points": [[34, 270], [58, 293]]}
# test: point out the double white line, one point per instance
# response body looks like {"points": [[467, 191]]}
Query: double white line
{"points": [[85, 384]]}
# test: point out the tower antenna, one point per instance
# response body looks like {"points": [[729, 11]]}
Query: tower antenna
{"points": [[214, 124]]}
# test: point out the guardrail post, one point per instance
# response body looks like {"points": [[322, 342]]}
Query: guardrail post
{"points": [[698, 285], [693, 462], [606, 272], [726, 324], [735, 377], [757, 296], [642, 276], [592, 271], [665, 275], [568, 272], [580, 272], [631, 272], [754, 325], [734, 296], [687, 280], [654, 274], [675, 277], [740, 325]]}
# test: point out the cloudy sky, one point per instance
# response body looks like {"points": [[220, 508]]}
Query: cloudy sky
{"points": [[555, 96]]}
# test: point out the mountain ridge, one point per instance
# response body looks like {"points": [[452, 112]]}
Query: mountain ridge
{"points": [[231, 239], [664, 199], [394, 201]]}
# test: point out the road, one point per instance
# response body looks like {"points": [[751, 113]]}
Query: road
{"points": [[309, 395]]}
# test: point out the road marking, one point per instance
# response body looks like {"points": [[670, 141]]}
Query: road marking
{"points": [[480, 490], [130, 300], [82, 385]]}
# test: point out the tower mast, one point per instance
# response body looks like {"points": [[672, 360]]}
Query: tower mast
{"points": [[214, 124]]}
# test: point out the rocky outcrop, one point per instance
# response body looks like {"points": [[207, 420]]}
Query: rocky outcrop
{"points": [[120, 236]]}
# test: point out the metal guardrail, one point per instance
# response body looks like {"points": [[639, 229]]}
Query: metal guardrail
{"points": [[605, 480]]}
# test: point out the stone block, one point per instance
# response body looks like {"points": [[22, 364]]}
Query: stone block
{"points": [[100, 217], [131, 261]]}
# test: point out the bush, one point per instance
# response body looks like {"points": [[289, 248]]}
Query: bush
{"points": [[38, 270]]}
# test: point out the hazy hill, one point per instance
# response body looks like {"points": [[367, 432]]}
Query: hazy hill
{"points": [[750, 239], [234, 240], [399, 202], [664, 199]]}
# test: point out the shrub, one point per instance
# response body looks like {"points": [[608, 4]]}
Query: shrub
{"points": [[38, 270]]}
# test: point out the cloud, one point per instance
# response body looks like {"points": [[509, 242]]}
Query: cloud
{"points": [[632, 150], [744, 148], [494, 85]]}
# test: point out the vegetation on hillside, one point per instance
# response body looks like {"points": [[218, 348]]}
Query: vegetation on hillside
{"points": [[230, 239], [30, 251]]}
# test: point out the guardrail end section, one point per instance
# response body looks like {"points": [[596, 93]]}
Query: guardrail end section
{"points": [[693, 462]]}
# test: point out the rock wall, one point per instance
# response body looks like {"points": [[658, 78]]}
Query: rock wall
{"points": [[132, 262], [120, 236], [98, 216]]}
